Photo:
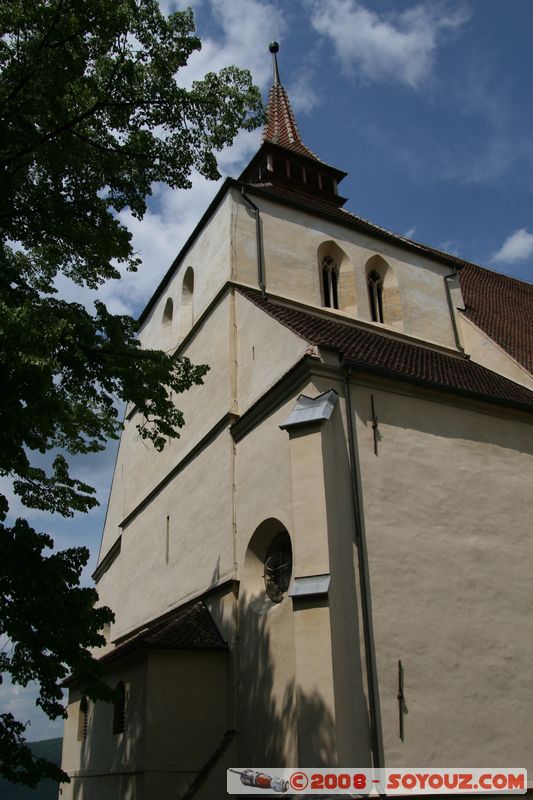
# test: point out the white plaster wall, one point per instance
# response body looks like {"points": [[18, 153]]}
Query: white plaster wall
{"points": [[139, 466], [263, 479], [291, 241], [176, 715], [140, 585], [266, 350], [265, 647], [210, 258], [103, 751], [447, 512]]}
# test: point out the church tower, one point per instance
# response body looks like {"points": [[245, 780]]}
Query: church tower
{"points": [[330, 566]]}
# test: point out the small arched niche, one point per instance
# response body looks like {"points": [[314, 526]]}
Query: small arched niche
{"points": [[268, 566], [187, 303], [168, 314], [337, 278], [383, 292]]}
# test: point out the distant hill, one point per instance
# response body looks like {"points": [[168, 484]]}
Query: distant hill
{"points": [[46, 790]]}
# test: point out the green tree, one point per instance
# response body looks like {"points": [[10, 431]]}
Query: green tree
{"points": [[91, 116]]}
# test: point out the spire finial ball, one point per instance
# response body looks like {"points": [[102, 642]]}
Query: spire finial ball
{"points": [[273, 47]]}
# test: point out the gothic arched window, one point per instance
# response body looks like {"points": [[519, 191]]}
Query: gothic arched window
{"points": [[119, 709], [375, 293], [330, 282]]}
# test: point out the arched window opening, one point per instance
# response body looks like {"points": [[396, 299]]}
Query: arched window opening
{"points": [[330, 282], [375, 292], [168, 313], [119, 709], [278, 567], [83, 719], [187, 297], [268, 567], [384, 301]]}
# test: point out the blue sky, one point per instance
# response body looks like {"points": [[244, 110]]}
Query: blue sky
{"points": [[427, 106]]}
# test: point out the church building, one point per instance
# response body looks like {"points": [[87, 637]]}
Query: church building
{"points": [[332, 566]]}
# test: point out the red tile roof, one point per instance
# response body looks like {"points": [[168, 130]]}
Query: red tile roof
{"points": [[281, 127], [503, 308], [381, 354], [190, 627]]}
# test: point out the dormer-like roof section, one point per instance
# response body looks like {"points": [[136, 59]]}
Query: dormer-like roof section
{"points": [[190, 627], [502, 307]]}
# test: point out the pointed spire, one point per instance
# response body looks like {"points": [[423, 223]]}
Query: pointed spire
{"points": [[281, 127], [274, 49], [283, 162]]}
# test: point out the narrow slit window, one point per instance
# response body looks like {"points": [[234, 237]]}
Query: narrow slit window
{"points": [[375, 292], [119, 709], [82, 719], [330, 282]]}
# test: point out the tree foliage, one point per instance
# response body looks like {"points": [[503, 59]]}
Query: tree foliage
{"points": [[91, 116]]}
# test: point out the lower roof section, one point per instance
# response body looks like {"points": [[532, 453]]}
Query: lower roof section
{"points": [[382, 354], [190, 627], [502, 307]]}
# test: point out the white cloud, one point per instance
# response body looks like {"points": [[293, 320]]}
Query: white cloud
{"points": [[410, 233], [381, 47], [246, 27], [517, 247], [302, 93]]}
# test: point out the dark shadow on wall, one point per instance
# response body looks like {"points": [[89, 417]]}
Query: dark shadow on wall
{"points": [[270, 705], [102, 751]]}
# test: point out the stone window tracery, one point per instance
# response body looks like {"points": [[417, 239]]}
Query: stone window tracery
{"points": [[375, 293], [330, 282]]}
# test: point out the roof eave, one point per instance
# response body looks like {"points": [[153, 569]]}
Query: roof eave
{"points": [[269, 146], [441, 387]]}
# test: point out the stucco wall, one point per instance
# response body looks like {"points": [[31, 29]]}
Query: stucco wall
{"points": [[266, 350], [140, 585], [139, 466], [292, 239], [210, 258], [447, 514], [266, 640], [102, 751], [176, 716]]}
